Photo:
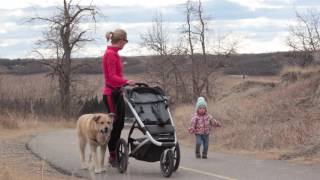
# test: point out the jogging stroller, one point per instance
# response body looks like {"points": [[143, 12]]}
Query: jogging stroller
{"points": [[150, 110]]}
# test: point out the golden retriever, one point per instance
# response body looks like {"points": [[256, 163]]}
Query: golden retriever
{"points": [[94, 129]]}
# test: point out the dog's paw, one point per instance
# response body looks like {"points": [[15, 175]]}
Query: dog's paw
{"points": [[84, 166], [99, 170]]}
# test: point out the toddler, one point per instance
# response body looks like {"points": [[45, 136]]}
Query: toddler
{"points": [[201, 125]]}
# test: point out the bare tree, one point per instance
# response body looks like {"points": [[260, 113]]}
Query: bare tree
{"points": [[164, 69], [156, 39], [189, 33], [201, 30], [196, 31], [304, 37], [172, 67], [63, 37]]}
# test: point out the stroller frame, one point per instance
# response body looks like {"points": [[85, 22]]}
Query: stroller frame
{"points": [[142, 126], [169, 149]]}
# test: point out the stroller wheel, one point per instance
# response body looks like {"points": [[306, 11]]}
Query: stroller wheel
{"points": [[122, 155], [176, 157], [166, 163]]}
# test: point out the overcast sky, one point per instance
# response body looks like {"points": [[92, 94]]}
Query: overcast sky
{"points": [[259, 25]]}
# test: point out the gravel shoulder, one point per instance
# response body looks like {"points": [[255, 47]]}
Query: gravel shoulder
{"points": [[17, 162]]}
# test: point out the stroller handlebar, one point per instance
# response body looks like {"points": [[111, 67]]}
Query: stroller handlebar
{"points": [[141, 84], [137, 84]]}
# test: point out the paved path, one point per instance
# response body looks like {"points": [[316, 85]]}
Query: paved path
{"points": [[60, 149]]}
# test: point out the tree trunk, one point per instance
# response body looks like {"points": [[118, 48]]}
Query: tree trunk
{"points": [[65, 84]]}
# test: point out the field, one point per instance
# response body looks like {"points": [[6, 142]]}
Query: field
{"points": [[16, 162], [266, 116]]}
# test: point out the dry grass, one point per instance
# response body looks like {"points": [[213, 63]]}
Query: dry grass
{"points": [[294, 73], [261, 119], [259, 115], [26, 86], [182, 117], [15, 121], [42, 86], [10, 173], [16, 162], [297, 69], [39, 94]]}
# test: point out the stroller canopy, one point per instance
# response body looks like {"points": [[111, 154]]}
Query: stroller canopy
{"points": [[150, 103]]}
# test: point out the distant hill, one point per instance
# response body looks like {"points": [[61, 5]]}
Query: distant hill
{"points": [[260, 64], [21, 66], [250, 64], [91, 66]]}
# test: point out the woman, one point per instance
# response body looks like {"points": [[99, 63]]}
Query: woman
{"points": [[114, 80]]}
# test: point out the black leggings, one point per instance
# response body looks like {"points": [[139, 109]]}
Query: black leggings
{"points": [[118, 123]]}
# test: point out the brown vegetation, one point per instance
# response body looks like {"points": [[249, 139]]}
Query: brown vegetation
{"points": [[16, 162], [264, 116], [38, 93], [62, 37], [258, 113]]}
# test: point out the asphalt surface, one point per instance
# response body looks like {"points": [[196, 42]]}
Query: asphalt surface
{"points": [[60, 149]]}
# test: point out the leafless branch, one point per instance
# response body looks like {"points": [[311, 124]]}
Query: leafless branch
{"points": [[304, 37], [62, 37]]}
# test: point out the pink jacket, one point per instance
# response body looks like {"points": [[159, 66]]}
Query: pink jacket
{"points": [[202, 124], [112, 69]]}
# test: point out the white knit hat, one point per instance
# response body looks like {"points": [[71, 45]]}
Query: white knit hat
{"points": [[201, 102]]}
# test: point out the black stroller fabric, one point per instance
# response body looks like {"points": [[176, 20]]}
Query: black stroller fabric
{"points": [[151, 105], [149, 152]]}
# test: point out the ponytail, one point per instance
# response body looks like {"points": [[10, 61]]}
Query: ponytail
{"points": [[109, 35], [116, 35]]}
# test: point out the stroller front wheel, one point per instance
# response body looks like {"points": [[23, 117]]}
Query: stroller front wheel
{"points": [[122, 155], [176, 156], [166, 162]]}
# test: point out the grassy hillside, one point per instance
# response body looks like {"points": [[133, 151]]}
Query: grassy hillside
{"points": [[265, 114], [278, 113]]}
